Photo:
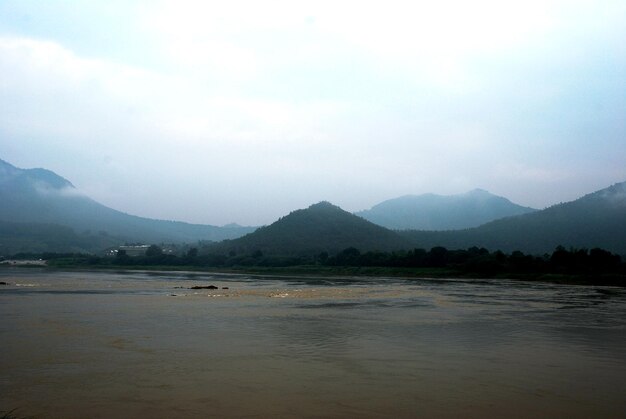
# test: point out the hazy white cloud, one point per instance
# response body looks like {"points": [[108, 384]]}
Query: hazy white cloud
{"points": [[242, 111]]}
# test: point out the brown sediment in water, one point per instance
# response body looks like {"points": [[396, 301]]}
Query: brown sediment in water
{"points": [[102, 345], [326, 293]]}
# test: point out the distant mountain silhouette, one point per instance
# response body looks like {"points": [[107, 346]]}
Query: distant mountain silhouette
{"points": [[441, 212], [42, 196], [322, 227], [41, 211], [595, 220]]}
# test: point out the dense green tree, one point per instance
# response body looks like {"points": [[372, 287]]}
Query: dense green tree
{"points": [[437, 257], [154, 251]]}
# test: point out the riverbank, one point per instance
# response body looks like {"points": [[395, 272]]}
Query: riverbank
{"points": [[350, 271]]}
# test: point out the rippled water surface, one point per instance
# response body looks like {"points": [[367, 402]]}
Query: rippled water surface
{"points": [[139, 344]]}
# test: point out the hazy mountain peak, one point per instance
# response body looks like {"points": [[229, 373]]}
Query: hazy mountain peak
{"points": [[232, 225], [442, 212], [615, 193], [38, 179], [6, 164], [49, 179], [42, 196], [324, 205], [7, 170]]}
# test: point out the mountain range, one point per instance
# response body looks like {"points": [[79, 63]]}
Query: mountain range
{"points": [[40, 196], [594, 220], [440, 212], [41, 211]]}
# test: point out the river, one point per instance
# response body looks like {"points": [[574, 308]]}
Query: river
{"points": [[96, 344]]}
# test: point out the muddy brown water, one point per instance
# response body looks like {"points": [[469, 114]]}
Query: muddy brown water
{"points": [[144, 345]]}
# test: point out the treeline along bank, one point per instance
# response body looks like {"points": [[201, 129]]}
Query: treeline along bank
{"points": [[473, 261]]}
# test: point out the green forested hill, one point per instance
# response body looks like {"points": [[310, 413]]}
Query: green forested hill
{"points": [[39, 238], [322, 227], [595, 220], [439, 212]]}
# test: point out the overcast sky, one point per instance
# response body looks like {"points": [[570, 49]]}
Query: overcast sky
{"points": [[219, 112]]}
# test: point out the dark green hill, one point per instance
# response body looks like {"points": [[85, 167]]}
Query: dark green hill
{"points": [[595, 220], [438, 212], [322, 227], [40, 238], [41, 196]]}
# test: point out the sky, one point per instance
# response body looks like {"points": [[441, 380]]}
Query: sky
{"points": [[242, 111]]}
